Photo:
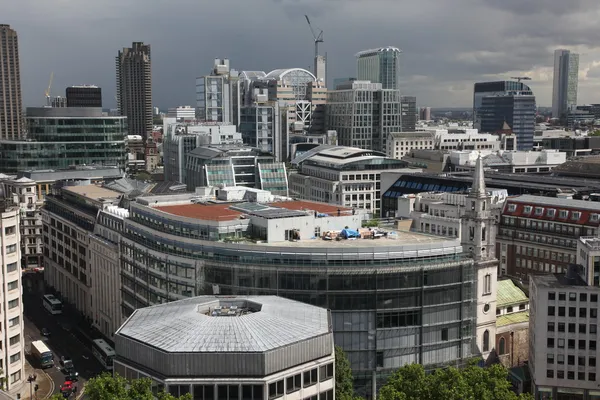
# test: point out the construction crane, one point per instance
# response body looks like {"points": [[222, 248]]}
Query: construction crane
{"points": [[318, 37], [48, 101], [520, 78]]}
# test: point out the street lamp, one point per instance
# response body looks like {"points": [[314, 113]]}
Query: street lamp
{"points": [[32, 379]]}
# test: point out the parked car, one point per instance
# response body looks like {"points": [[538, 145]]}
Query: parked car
{"points": [[45, 332]]}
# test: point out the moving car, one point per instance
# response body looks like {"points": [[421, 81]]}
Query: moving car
{"points": [[72, 376], [68, 388], [67, 364]]}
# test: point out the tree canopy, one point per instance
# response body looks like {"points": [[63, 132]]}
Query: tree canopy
{"points": [[411, 382], [107, 387], [344, 381]]}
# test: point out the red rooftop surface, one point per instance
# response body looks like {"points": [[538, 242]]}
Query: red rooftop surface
{"points": [[299, 205], [209, 212]]}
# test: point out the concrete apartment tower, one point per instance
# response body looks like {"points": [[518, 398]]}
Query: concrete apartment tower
{"points": [[134, 88], [566, 81], [11, 106], [478, 237]]}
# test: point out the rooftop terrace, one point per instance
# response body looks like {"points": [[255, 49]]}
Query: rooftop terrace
{"points": [[93, 192], [207, 212], [232, 211], [400, 239]]}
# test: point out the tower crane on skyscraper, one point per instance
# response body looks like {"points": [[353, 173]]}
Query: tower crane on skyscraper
{"points": [[49, 89], [318, 37], [520, 78]]}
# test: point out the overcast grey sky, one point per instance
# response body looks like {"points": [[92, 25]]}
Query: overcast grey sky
{"points": [[447, 44]]}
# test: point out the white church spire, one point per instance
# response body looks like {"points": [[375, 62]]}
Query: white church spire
{"points": [[478, 188]]}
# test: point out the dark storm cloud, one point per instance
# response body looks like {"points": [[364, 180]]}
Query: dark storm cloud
{"points": [[446, 45]]}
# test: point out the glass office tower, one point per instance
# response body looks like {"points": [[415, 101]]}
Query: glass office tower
{"points": [[380, 66], [516, 109], [58, 138]]}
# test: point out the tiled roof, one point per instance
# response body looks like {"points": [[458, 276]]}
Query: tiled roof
{"points": [[514, 318], [509, 294]]}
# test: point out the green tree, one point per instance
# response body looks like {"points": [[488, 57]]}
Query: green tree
{"points": [[344, 381], [471, 383], [107, 387]]}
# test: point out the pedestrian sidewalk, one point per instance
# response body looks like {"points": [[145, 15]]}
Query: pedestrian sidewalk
{"points": [[43, 380]]}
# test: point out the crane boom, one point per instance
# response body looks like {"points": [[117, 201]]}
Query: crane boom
{"points": [[49, 89], [317, 36], [50, 84]]}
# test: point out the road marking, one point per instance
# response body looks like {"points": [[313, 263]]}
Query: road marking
{"points": [[80, 394], [52, 385]]}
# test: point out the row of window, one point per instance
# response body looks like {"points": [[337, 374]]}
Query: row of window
{"points": [[538, 266], [562, 296], [550, 255], [591, 376], [560, 344], [359, 177], [583, 312], [583, 328], [581, 360], [551, 212], [296, 382]]}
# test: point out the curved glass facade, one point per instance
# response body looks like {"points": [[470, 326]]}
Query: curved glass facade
{"points": [[297, 78], [390, 305], [59, 142]]}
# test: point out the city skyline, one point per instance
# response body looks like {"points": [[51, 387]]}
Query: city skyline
{"points": [[438, 72]]}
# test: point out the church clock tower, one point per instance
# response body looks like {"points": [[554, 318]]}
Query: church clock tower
{"points": [[478, 237]]}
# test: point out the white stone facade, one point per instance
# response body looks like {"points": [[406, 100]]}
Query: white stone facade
{"points": [[12, 339]]}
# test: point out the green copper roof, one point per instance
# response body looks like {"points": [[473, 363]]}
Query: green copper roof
{"points": [[509, 294], [514, 318]]}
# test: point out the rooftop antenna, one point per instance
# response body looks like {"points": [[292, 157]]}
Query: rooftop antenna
{"points": [[318, 39]]}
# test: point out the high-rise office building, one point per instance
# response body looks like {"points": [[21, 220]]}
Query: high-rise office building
{"points": [[566, 79], [134, 87], [363, 114], [425, 113], [513, 108], [84, 96], [380, 66], [409, 113], [11, 106], [213, 93], [320, 68], [74, 143], [483, 89]]}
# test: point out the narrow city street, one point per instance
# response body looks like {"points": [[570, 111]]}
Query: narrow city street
{"points": [[63, 339]]}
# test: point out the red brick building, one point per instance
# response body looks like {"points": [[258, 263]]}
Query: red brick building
{"points": [[539, 234]]}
